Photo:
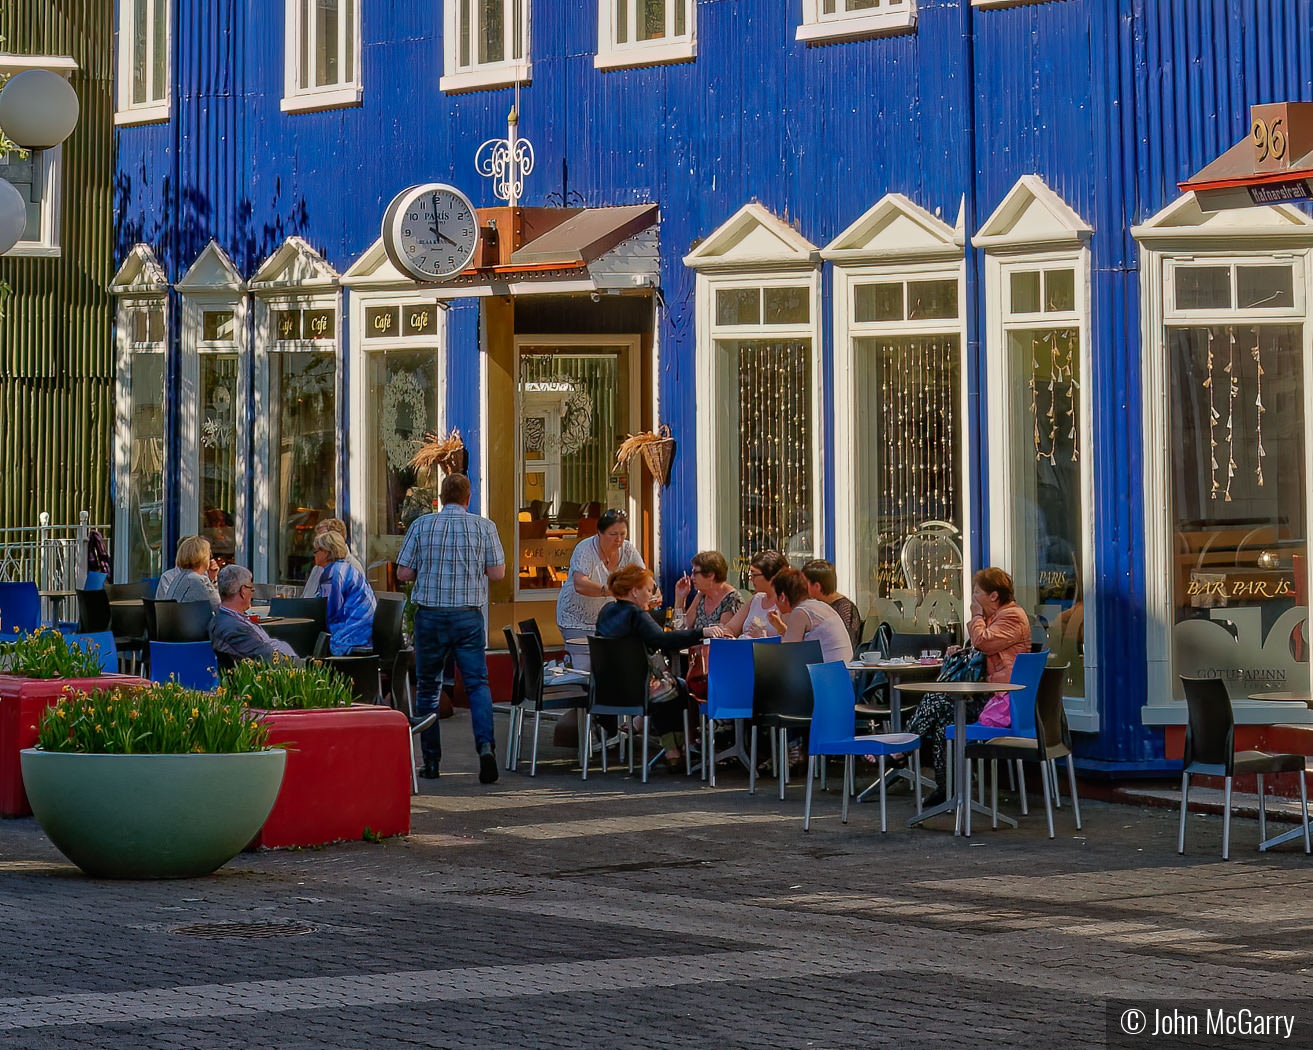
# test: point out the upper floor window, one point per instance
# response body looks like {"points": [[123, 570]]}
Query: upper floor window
{"points": [[487, 44], [143, 77], [830, 21], [644, 32], [323, 54], [36, 173]]}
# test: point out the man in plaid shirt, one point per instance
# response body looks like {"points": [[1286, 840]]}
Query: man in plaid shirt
{"points": [[451, 555]]}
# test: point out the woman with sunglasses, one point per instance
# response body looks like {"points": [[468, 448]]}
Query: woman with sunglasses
{"points": [[584, 592], [714, 601], [753, 620]]}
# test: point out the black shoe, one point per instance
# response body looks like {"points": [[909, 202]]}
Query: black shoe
{"points": [[937, 798], [430, 770], [487, 765]]}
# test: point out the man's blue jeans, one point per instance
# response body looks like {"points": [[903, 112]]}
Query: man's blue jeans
{"points": [[439, 633]]}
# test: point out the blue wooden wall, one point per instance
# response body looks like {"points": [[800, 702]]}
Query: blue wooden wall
{"points": [[1112, 102]]}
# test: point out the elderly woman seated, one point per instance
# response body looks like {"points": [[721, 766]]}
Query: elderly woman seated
{"points": [[193, 575], [351, 602], [626, 617], [714, 601]]}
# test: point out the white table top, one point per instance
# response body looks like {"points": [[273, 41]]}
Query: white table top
{"points": [[962, 688], [894, 665]]}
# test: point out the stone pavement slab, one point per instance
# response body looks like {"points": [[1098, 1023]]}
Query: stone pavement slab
{"points": [[548, 912]]}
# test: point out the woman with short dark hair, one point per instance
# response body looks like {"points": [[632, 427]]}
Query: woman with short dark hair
{"points": [[753, 620], [799, 617], [584, 591]]}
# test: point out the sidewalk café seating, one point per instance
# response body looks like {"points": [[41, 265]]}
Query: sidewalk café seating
{"points": [[128, 622], [183, 621], [386, 633], [299, 633], [402, 698], [93, 611], [20, 607], [95, 580], [192, 664], [361, 671], [1026, 670], [125, 592], [1051, 742], [729, 692], [315, 609], [617, 685], [781, 699], [832, 734], [1210, 751], [101, 642], [530, 693]]}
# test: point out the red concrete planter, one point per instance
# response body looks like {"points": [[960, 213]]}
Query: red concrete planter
{"points": [[347, 769], [22, 700]]}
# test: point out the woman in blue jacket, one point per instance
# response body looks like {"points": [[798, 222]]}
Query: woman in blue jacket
{"points": [[351, 601]]}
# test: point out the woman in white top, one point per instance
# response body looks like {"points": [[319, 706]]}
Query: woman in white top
{"points": [[800, 618], [584, 593], [753, 619]]}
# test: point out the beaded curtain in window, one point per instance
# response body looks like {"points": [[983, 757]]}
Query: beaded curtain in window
{"points": [[303, 441], [908, 395], [219, 391], [772, 448], [589, 433]]}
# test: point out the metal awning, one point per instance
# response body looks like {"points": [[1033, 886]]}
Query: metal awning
{"points": [[1272, 165], [582, 238]]}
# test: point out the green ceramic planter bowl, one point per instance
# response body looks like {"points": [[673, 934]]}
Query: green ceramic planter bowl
{"points": [[151, 816]]}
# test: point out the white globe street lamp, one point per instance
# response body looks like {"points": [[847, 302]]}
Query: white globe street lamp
{"points": [[13, 215], [38, 109]]}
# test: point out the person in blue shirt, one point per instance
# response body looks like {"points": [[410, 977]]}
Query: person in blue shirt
{"points": [[351, 601]]}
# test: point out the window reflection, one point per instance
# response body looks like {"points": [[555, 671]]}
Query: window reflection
{"points": [[218, 451], [303, 462], [146, 466]]}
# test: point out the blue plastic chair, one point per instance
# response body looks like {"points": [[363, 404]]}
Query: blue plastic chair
{"points": [[192, 664], [832, 734], [729, 692], [20, 608], [95, 581], [1026, 670], [101, 642]]}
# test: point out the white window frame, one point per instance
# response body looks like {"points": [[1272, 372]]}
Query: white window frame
{"points": [[47, 245], [299, 41], [360, 458], [615, 54], [711, 398], [1176, 235], [818, 27], [126, 352], [153, 109], [479, 75]]}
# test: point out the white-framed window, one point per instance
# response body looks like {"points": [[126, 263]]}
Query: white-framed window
{"points": [[322, 54], [398, 395], [1038, 422], [1227, 350], [645, 32], [900, 412], [214, 413], [36, 174], [140, 525], [143, 61], [486, 44], [832, 21]]}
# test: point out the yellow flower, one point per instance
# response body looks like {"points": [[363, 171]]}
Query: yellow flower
{"points": [[195, 712]]}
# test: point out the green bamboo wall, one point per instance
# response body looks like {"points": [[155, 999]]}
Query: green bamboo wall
{"points": [[56, 336]]}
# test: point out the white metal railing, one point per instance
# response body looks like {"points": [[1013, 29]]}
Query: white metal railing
{"points": [[54, 557]]}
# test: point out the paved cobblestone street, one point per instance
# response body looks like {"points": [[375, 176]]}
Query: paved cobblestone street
{"points": [[554, 913]]}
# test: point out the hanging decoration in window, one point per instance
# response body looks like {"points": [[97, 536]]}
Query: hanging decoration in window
{"points": [[576, 411], [1261, 453], [535, 434], [1232, 391], [444, 452], [1063, 346], [403, 418], [217, 429], [1213, 417]]}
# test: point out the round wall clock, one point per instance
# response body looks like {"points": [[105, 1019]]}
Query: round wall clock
{"points": [[430, 231]]}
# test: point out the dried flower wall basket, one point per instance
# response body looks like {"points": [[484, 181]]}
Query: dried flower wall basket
{"points": [[657, 449]]}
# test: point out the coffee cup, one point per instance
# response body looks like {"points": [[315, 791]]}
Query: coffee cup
{"points": [[872, 657]]}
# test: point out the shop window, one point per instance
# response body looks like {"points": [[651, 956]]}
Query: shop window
{"points": [[487, 44], [143, 63], [404, 365], [142, 511], [831, 21], [907, 379], [644, 32], [301, 465], [1235, 413], [323, 54]]}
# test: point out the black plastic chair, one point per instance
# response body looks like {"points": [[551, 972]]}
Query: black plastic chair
{"points": [[618, 685], [300, 634], [529, 686], [781, 699], [152, 618], [1210, 751], [123, 592], [93, 612], [182, 621], [128, 622], [1052, 741], [388, 639], [315, 609], [402, 698], [361, 672]]}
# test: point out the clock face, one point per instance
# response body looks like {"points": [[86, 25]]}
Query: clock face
{"points": [[431, 232]]}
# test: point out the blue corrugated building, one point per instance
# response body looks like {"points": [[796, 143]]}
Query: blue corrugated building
{"points": [[911, 282]]}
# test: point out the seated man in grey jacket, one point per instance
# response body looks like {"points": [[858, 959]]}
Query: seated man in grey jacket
{"points": [[231, 631]]}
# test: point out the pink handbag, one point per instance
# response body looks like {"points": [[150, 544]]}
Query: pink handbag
{"points": [[997, 712]]}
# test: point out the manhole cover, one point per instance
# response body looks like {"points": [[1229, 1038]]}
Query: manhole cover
{"points": [[244, 929]]}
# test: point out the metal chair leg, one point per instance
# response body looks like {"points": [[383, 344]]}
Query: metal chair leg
{"points": [[916, 780], [1226, 823], [1071, 781], [1053, 775], [1048, 800], [807, 805], [1303, 810], [883, 824], [533, 758], [1021, 788], [587, 741], [645, 722], [688, 747], [752, 763], [847, 777], [1185, 801], [782, 755], [1262, 810], [993, 791]]}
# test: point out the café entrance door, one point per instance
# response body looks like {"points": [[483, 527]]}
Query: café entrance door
{"points": [[576, 399]]}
